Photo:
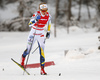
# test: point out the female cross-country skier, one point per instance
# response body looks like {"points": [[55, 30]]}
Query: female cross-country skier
{"points": [[37, 24]]}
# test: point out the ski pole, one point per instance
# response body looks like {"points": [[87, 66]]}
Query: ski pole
{"points": [[35, 49], [28, 55], [30, 49]]}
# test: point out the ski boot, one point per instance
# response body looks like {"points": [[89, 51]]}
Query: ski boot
{"points": [[42, 71], [22, 62], [23, 57]]}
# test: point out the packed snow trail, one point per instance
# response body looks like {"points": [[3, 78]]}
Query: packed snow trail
{"points": [[82, 61]]}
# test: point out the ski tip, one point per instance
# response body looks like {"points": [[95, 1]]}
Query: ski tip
{"points": [[11, 58], [28, 74]]}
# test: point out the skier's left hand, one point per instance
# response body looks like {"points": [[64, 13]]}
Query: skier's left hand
{"points": [[38, 17], [48, 35]]}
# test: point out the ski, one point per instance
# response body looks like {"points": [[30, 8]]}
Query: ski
{"points": [[20, 66], [37, 65]]}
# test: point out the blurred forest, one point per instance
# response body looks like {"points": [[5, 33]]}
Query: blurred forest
{"points": [[80, 13]]}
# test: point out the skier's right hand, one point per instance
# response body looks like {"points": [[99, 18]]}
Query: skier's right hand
{"points": [[38, 17], [31, 22]]}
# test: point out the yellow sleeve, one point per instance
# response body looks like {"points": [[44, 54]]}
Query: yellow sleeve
{"points": [[49, 26]]}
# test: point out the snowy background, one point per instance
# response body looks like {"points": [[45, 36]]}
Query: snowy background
{"points": [[81, 62]]}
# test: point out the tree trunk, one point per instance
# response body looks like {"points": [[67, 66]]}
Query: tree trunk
{"points": [[21, 8], [79, 14], [69, 15], [56, 15], [1, 4], [69, 10], [88, 10], [44, 1]]}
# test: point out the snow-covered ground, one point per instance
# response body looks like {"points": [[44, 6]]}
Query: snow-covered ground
{"points": [[82, 61]]}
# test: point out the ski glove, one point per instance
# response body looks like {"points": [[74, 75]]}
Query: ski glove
{"points": [[31, 22], [38, 17], [48, 35]]}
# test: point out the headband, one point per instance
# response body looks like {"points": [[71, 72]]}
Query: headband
{"points": [[43, 6]]}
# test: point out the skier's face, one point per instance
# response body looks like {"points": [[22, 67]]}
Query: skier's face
{"points": [[44, 10]]}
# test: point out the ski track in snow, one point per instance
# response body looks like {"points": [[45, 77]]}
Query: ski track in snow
{"points": [[82, 61]]}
